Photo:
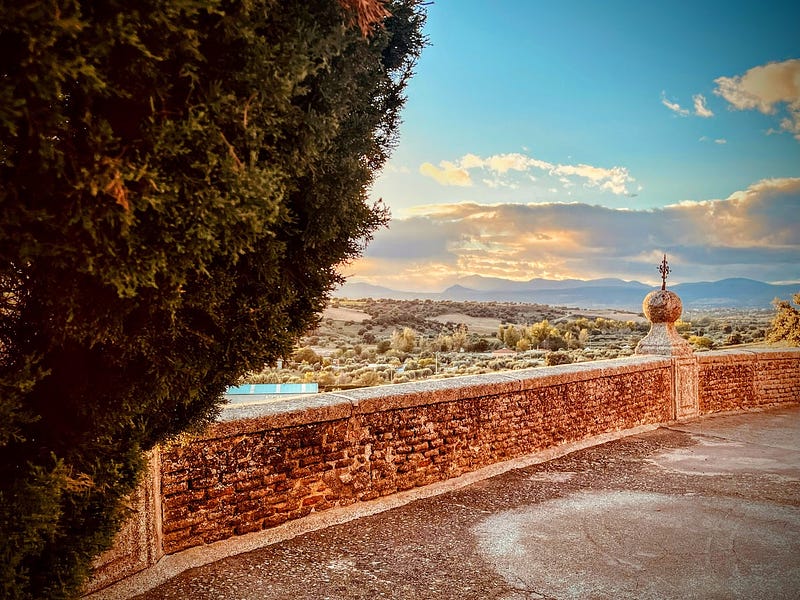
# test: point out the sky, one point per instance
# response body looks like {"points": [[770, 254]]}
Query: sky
{"points": [[585, 139]]}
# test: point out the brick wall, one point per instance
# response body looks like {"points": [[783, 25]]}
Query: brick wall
{"points": [[740, 380], [248, 474], [778, 377], [263, 465]]}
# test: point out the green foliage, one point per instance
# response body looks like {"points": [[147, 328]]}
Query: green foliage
{"points": [[43, 488], [734, 339], [701, 342], [540, 332], [179, 182], [306, 355], [476, 343], [510, 335], [785, 325], [557, 358], [370, 378]]}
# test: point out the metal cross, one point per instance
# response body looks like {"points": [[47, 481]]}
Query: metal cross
{"points": [[664, 269]]}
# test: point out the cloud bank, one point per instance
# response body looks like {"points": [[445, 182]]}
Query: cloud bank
{"points": [[615, 180], [752, 233]]}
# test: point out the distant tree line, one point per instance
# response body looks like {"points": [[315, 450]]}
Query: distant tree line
{"points": [[566, 334]]}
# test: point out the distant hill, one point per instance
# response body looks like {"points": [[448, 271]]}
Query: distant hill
{"points": [[597, 293], [479, 283], [367, 290], [736, 292]]}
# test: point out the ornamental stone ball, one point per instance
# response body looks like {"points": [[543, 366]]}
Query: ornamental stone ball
{"points": [[662, 308]]}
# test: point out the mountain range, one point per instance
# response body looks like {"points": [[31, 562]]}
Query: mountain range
{"points": [[594, 293]]}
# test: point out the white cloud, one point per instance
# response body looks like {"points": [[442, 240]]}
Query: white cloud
{"points": [[674, 106], [700, 108], [614, 180], [720, 141], [502, 163], [765, 88]]}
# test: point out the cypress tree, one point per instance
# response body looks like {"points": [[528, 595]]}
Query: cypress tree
{"points": [[179, 182]]}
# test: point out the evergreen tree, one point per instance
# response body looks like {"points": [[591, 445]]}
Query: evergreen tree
{"points": [[179, 180]]}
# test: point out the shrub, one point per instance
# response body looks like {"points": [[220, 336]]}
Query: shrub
{"points": [[785, 325], [306, 355], [701, 342], [557, 358], [734, 339]]}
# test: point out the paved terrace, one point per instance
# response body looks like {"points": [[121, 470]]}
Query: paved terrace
{"points": [[702, 509]]}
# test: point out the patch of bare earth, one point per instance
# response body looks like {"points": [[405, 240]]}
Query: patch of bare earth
{"points": [[345, 314], [479, 325]]}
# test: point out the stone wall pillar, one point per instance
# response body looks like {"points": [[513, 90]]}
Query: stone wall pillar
{"points": [[662, 308], [138, 545], [685, 390]]}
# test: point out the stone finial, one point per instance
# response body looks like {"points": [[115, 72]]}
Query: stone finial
{"points": [[662, 308]]}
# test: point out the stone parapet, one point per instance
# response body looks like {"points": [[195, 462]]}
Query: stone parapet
{"points": [[261, 466], [250, 474]]}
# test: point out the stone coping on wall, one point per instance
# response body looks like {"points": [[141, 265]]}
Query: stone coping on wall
{"points": [[737, 354], [332, 406]]}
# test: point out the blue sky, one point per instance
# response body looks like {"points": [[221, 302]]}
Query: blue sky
{"points": [[583, 139]]}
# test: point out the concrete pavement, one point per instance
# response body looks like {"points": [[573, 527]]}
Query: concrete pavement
{"points": [[704, 509]]}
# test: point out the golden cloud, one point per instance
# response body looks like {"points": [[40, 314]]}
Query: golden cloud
{"points": [[764, 88], [447, 173]]}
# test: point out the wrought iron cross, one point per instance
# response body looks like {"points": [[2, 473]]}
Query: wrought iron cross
{"points": [[663, 268]]}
